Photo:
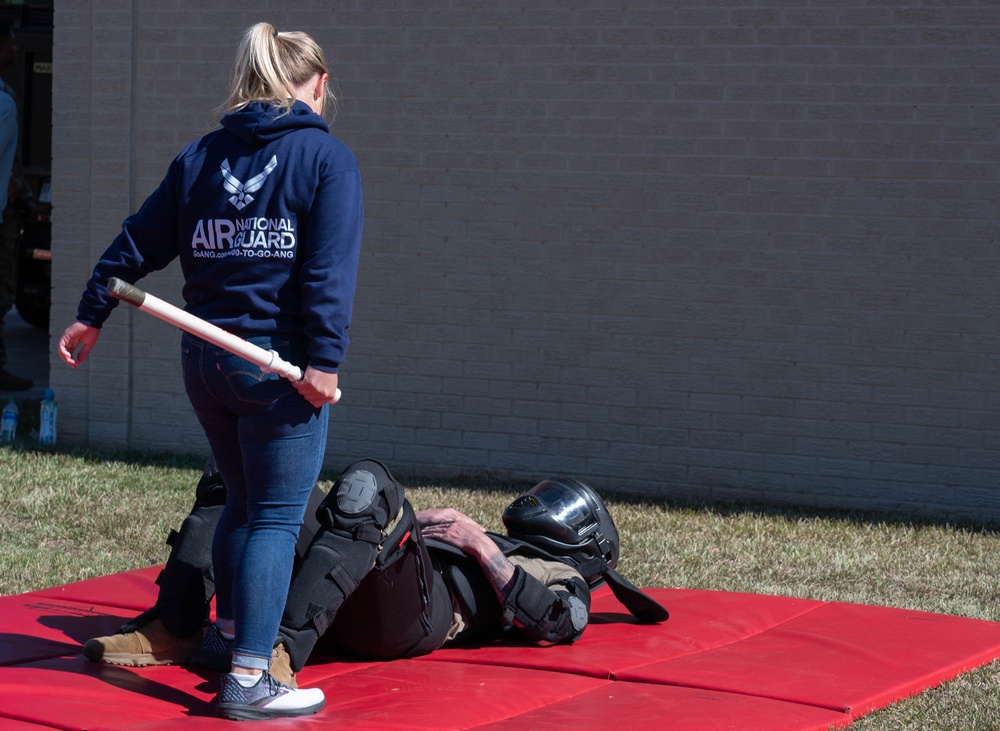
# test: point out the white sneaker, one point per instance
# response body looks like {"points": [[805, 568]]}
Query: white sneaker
{"points": [[267, 698]]}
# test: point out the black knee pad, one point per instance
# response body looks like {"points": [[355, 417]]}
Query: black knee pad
{"points": [[187, 582], [362, 510], [363, 501]]}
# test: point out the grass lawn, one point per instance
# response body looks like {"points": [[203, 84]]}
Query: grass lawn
{"points": [[71, 515]]}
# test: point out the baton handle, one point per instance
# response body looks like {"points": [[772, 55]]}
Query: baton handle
{"points": [[126, 292]]}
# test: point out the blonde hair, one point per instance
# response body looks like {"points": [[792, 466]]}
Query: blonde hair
{"points": [[270, 65]]}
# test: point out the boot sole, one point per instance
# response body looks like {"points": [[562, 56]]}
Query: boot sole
{"points": [[96, 653], [138, 661], [237, 712]]}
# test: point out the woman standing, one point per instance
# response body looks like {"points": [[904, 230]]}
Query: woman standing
{"points": [[265, 215]]}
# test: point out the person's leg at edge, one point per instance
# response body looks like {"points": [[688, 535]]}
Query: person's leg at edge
{"points": [[269, 445], [8, 295], [285, 460]]}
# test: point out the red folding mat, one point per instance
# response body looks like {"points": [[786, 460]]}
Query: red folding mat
{"points": [[722, 661]]}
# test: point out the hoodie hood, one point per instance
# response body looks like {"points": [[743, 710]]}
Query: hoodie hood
{"points": [[258, 123]]}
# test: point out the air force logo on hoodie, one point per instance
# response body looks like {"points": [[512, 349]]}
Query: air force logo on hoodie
{"points": [[241, 191], [253, 237]]}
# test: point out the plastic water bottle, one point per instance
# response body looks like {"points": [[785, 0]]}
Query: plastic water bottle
{"points": [[8, 423], [47, 420]]}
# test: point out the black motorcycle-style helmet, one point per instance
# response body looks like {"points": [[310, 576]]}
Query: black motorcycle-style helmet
{"points": [[568, 519]]}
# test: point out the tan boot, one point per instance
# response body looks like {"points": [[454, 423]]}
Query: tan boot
{"points": [[281, 667], [151, 644]]}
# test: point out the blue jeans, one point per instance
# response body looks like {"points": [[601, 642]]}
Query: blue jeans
{"points": [[268, 443]]}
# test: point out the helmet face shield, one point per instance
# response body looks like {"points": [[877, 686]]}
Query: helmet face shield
{"points": [[573, 518]]}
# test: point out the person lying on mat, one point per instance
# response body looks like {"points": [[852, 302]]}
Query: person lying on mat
{"points": [[376, 580]]}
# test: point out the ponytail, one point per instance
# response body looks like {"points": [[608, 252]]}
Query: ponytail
{"points": [[270, 65]]}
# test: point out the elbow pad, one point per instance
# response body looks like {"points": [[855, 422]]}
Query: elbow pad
{"points": [[545, 615]]}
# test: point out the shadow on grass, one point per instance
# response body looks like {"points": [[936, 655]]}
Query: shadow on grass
{"points": [[887, 516], [730, 507], [495, 482], [87, 455]]}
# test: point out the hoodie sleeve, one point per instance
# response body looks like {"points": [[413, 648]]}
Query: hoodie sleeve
{"points": [[328, 277], [147, 243]]}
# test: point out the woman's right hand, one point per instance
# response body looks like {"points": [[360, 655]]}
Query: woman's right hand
{"points": [[76, 343], [318, 387]]}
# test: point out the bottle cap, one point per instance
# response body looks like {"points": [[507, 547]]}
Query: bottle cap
{"points": [[50, 394]]}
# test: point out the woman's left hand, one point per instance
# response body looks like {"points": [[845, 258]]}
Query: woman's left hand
{"points": [[318, 387], [76, 343]]}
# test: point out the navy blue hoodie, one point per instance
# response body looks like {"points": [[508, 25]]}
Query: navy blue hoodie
{"points": [[265, 215]]}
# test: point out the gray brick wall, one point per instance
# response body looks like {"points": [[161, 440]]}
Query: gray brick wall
{"points": [[719, 250]]}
